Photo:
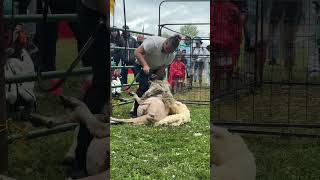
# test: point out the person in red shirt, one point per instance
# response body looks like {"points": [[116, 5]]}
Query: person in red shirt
{"points": [[177, 73], [226, 36]]}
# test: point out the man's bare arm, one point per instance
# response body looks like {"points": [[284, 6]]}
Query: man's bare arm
{"points": [[139, 53]]}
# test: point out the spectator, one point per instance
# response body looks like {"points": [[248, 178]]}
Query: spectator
{"points": [[20, 41], [289, 12], [115, 81], [130, 42], [200, 59], [177, 72], [140, 39], [314, 42], [226, 36], [207, 67], [115, 41]]}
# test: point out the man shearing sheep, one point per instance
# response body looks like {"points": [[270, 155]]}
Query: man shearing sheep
{"points": [[153, 56]]}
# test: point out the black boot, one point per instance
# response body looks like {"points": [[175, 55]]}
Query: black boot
{"points": [[77, 172], [135, 109]]}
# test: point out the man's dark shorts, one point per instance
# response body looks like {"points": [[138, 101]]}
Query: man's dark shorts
{"points": [[142, 79]]}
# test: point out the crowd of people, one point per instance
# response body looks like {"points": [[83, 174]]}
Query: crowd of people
{"points": [[190, 64], [234, 22]]}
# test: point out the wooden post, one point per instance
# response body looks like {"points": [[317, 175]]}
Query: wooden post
{"points": [[3, 131]]}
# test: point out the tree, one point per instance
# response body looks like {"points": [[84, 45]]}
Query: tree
{"points": [[189, 30]]}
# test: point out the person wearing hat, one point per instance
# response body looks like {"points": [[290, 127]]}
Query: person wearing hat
{"points": [[128, 58], [200, 60], [115, 39], [153, 56]]}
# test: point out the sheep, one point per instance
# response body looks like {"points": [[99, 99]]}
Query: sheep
{"points": [[157, 106], [97, 150], [230, 158]]}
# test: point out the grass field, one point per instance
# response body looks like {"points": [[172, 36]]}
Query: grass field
{"points": [[143, 152], [285, 159]]}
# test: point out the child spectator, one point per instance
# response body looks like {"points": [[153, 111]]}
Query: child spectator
{"points": [[116, 91], [177, 73], [226, 37]]}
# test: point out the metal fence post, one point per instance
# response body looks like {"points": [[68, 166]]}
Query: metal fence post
{"points": [[3, 126]]}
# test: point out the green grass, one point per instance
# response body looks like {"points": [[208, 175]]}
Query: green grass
{"points": [[39, 159], [285, 159], [144, 152]]}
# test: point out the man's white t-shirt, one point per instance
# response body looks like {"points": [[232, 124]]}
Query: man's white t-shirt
{"points": [[153, 55], [203, 54]]}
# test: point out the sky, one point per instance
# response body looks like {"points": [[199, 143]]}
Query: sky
{"points": [[145, 13]]}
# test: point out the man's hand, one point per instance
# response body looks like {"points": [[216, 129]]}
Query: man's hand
{"points": [[146, 69], [160, 72]]}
